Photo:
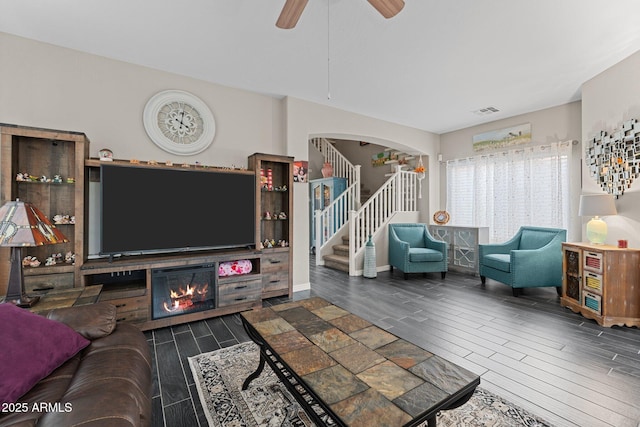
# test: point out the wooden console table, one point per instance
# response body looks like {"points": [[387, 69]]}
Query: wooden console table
{"points": [[345, 371]]}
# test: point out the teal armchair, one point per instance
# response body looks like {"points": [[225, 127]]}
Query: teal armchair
{"points": [[531, 258], [413, 250]]}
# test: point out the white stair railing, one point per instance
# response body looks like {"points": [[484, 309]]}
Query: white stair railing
{"points": [[398, 194], [334, 217], [342, 167], [330, 220]]}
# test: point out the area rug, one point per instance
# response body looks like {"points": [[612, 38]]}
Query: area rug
{"points": [[219, 376]]}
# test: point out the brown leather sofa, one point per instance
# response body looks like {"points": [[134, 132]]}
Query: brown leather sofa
{"points": [[106, 384]]}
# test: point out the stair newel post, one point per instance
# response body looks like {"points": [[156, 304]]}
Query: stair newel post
{"points": [[353, 222], [399, 190], [356, 199], [319, 237]]}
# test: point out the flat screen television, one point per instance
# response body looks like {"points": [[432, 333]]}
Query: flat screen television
{"points": [[154, 210]]}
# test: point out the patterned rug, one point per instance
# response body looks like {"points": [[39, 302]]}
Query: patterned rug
{"points": [[219, 376]]}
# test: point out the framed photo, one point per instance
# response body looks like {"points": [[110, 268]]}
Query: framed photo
{"points": [[502, 138], [300, 170]]}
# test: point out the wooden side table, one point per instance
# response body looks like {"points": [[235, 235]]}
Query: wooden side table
{"points": [[67, 298], [602, 283]]}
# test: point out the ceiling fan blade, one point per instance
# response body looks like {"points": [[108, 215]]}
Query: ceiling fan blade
{"points": [[290, 14], [387, 8]]}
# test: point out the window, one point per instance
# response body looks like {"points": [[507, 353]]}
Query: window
{"points": [[509, 189]]}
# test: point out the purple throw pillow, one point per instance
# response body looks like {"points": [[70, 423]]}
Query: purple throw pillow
{"points": [[32, 348]]}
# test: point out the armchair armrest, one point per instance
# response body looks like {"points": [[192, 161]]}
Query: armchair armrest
{"points": [[499, 248], [398, 250], [431, 243], [536, 266]]}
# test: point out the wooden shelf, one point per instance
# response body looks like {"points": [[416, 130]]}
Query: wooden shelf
{"points": [[274, 201], [47, 152]]}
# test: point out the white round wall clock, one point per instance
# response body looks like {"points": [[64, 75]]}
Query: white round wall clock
{"points": [[179, 122]]}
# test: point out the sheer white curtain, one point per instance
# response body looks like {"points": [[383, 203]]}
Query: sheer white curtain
{"points": [[509, 189]]}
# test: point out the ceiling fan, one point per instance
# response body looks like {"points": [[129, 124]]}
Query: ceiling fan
{"points": [[293, 9]]}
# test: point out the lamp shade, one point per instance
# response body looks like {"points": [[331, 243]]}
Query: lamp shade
{"points": [[597, 205], [22, 224]]}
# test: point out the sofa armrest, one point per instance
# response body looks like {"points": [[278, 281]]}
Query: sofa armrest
{"points": [[91, 321]]}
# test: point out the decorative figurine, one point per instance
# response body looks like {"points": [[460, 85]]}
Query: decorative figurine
{"points": [[282, 215], [50, 261], [57, 179], [71, 180], [105, 155], [267, 215]]}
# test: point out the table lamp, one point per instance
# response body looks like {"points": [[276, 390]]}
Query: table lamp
{"points": [[596, 205], [23, 225]]}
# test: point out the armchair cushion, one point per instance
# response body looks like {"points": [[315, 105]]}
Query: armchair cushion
{"points": [[500, 262], [424, 255]]}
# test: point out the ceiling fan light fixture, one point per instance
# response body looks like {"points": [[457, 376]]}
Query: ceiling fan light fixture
{"points": [[387, 8], [290, 14]]}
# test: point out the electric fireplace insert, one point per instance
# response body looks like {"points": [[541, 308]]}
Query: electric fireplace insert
{"points": [[181, 290]]}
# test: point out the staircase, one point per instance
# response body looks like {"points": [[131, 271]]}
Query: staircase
{"points": [[343, 227], [339, 259]]}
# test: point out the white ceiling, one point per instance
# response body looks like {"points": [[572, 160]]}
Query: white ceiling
{"points": [[429, 67]]}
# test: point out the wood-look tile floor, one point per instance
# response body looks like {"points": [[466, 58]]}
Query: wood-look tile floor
{"points": [[531, 351]]}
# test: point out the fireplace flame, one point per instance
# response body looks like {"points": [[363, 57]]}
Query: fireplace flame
{"points": [[182, 299]]}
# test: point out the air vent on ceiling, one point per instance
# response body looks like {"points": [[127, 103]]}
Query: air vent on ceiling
{"points": [[485, 111]]}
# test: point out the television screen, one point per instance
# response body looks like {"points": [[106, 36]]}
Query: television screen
{"points": [[151, 209]]}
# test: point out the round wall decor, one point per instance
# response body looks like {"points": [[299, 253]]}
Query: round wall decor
{"points": [[441, 217], [179, 122]]}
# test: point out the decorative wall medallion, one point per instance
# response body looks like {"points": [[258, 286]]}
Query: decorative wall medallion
{"points": [[179, 122], [614, 160], [441, 217]]}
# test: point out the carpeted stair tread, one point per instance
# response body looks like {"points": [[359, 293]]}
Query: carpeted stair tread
{"points": [[341, 250], [336, 262]]}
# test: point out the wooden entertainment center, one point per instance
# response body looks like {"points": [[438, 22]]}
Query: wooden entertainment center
{"points": [[57, 172]]}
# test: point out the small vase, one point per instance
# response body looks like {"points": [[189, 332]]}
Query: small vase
{"points": [[327, 170]]}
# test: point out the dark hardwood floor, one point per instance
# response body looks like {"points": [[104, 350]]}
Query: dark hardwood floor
{"points": [[529, 350]]}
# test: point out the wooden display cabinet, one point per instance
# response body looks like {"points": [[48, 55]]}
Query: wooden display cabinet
{"points": [[274, 214], [602, 283], [44, 152]]}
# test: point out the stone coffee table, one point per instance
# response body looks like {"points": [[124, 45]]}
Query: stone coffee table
{"points": [[345, 371]]}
